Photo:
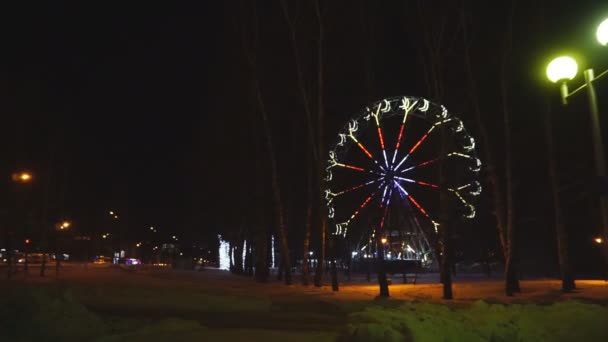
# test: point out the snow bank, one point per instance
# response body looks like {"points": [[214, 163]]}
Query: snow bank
{"points": [[562, 321], [45, 314]]}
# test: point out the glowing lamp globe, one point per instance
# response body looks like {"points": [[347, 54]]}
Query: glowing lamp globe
{"points": [[561, 69], [602, 32]]}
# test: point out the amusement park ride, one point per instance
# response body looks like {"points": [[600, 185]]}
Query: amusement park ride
{"points": [[387, 171]]}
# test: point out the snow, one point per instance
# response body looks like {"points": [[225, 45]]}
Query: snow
{"points": [[109, 304], [562, 321]]}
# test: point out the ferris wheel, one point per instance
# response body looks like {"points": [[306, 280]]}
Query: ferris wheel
{"points": [[396, 157]]}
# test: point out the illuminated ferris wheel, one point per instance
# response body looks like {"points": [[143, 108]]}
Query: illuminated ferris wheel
{"points": [[396, 157]]}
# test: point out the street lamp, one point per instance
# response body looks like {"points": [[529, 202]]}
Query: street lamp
{"points": [[602, 32], [564, 69], [598, 240], [60, 226]]}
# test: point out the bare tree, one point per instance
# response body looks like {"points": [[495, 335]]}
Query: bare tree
{"points": [[438, 41], [250, 47], [315, 123], [503, 197], [311, 137], [511, 264]]}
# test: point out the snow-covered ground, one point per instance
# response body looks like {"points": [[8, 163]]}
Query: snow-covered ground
{"points": [[109, 304]]}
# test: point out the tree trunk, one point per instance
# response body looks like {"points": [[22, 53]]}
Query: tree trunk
{"points": [[316, 141], [568, 283], [57, 259], [382, 281], [308, 220], [321, 140], [261, 256], [333, 268], [238, 257], [306, 243], [490, 169], [43, 266], [9, 256], [280, 271], [251, 54], [511, 269], [446, 273], [25, 261], [445, 232], [320, 269]]}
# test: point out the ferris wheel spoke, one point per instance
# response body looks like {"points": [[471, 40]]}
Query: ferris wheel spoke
{"points": [[435, 224], [420, 141], [365, 150], [431, 161], [363, 205], [434, 186], [386, 186], [407, 108], [415, 147], [351, 167], [420, 165], [390, 193], [357, 187], [379, 131], [412, 199], [398, 143]]}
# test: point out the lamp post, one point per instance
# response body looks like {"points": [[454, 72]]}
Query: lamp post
{"points": [[59, 227], [600, 241], [22, 177], [563, 69]]}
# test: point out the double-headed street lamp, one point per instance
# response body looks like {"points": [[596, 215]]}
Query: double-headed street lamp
{"points": [[563, 69]]}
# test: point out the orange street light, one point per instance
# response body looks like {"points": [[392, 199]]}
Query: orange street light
{"points": [[598, 240], [383, 240], [22, 177], [64, 225]]}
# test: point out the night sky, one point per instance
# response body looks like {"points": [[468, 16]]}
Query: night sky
{"points": [[147, 109]]}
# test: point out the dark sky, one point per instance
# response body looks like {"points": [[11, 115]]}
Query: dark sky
{"points": [[146, 109]]}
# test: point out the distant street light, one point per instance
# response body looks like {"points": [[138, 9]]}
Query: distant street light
{"points": [[598, 240], [564, 69], [383, 240], [22, 177], [63, 225]]}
